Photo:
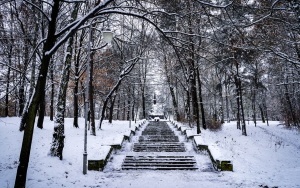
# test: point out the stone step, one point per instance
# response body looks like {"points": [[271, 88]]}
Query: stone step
{"points": [[161, 157], [158, 133], [159, 147], [159, 163], [158, 138], [158, 168]]}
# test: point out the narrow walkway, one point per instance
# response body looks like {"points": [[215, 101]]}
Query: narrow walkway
{"points": [[158, 148]]}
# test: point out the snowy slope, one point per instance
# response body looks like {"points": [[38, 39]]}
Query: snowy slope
{"points": [[268, 156]]}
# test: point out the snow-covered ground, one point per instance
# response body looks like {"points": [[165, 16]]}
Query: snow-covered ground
{"points": [[268, 157]]}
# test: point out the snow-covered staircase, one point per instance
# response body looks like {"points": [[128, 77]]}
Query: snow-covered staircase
{"points": [[158, 148], [159, 163]]}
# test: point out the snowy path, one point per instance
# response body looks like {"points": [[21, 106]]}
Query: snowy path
{"points": [[257, 161]]}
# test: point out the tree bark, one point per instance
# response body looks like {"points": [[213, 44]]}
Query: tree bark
{"points": [[262, 113], [41, 113], [7, 92], [201, 101], [254, 107], [52, 91], [37, 96], [111, 109], [244, 132], [91, 94], [57, 145], [194, 95], [59, 126]]}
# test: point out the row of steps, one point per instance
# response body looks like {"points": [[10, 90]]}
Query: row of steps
{"points": [[159, 163], [159, 137], [162, 132], [159, 147]]}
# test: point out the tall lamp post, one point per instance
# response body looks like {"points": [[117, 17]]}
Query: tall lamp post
{"points": [[107, 37]]}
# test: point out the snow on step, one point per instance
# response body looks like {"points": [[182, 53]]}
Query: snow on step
{"points": [[159, 147], [159, 163], [159, 137]]}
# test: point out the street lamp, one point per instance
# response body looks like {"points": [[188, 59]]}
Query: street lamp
{"points": [[107, 37]]}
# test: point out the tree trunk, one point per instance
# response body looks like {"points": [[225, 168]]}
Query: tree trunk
{"points": [[37, 96], [171, 87], [59, 126], [7, 91], [201, 101], [238, 120], [106, 101], [52, 91], [227, 103], [128, 110], [124, 110], [75, 94], [254, 107], [118, 108], [57, 145], [262, 114], [111, 110], [90, 85], [194, 96], [22, 95], [144, 102], [290, 106], [244, 132], [221, 103], [76, 79], [41, 113]]}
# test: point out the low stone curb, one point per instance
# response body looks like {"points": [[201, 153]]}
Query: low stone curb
{"points": [[220, 162], [99, 164]]}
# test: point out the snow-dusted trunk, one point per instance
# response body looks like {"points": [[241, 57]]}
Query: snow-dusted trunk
{"points": [[57, 145], [76, 80], [59, 133]]}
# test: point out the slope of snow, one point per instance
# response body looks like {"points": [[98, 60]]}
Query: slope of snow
{"points": [[268, 156]]}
